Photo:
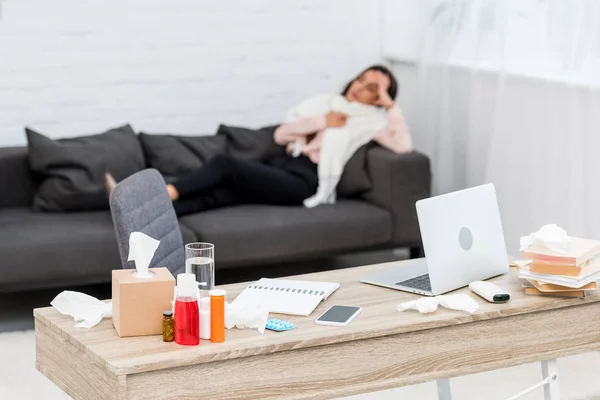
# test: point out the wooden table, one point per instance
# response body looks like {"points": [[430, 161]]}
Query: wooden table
{"points": [[381, 349]]}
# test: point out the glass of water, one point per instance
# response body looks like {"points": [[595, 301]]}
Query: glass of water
{"points": [[200, 261]]}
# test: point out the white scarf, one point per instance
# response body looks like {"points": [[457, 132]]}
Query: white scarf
{"points": [[339, 144]]}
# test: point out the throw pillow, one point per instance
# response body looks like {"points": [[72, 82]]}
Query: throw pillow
{"points": [[168, 155], [73, 169], [205, 147], [251, 144], [174, 156]]}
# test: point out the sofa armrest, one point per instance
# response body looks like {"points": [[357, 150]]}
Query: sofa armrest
{"points": [[399, 180]]}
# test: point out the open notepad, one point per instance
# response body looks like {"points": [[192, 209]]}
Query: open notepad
{"points": [[284, 296]]}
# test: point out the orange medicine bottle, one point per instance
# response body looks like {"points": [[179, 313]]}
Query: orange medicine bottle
{"points": [[217, 315]]}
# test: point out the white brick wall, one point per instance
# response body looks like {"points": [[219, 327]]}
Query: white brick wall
{"points": [[72, 67]]}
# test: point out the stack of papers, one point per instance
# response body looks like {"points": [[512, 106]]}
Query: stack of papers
{"points": [[572, 274]]}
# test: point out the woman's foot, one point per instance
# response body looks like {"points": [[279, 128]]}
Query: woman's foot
{"points": [[109, 183], [173, 193]]}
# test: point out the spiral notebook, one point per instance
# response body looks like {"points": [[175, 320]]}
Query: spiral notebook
{"points": [[284, 296]]}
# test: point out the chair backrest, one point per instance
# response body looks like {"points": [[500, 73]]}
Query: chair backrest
{"points": [[141, 203]]}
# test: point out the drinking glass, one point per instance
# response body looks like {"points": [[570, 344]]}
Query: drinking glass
{"points": [[200, 261]]}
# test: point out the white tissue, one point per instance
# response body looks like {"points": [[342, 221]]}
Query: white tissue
{"points": [[550, 236], [82, 307], [141, 250], [246, 318], [458, 302]]}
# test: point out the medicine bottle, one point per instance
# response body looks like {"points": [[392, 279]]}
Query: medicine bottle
{"points": [[168, 326]]}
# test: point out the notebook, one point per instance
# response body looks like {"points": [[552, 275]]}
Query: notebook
{"points": [[284, 296]]}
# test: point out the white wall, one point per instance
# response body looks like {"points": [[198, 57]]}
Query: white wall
{"points": [[72, 67], [402, 27]]}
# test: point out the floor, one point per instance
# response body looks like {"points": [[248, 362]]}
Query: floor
{"points": [[20, 380]]}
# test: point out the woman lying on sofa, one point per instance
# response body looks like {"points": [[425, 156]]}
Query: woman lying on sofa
{"points": [[320, 135]]}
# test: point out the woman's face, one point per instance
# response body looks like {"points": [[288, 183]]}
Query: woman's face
{"points": [[364, 89]]}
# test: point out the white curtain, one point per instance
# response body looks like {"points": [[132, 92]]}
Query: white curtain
{"points": [[508, 92]]}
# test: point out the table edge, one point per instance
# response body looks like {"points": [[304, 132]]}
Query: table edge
{"points": [[458, 320]]}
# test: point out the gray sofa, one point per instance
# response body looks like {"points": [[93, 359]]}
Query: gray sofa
{"points": [[43, 249]]}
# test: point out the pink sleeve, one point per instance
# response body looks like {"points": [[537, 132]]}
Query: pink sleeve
{"points": [[396, 135], [289, 132]]}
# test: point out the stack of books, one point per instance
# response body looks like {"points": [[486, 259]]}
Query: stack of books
{"points": [[548, 273]]}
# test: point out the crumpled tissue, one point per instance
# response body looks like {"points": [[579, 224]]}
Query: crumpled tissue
{"points": [[246, 318], [458, 302], [550, 236], [141, 250], [87, 309]]}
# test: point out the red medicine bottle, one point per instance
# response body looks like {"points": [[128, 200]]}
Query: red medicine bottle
{"points": [[187, 324]]}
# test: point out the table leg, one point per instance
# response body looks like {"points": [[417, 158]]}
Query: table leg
{"points": [[443, 386], [550, 370]]}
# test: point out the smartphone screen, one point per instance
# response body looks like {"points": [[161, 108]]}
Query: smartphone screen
{"points": [[338, 314]]}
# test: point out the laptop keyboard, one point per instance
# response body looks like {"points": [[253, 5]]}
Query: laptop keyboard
{"points": [[420, 282]]}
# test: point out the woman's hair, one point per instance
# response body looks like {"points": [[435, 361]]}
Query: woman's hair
{"points": [[392, 90]]}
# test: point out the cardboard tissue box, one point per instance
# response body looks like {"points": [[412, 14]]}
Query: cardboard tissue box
{"points": [[140, 296]]}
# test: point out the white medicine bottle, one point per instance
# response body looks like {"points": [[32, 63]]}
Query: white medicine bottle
{"points": [[205, 318]]}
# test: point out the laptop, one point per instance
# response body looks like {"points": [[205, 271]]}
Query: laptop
{"points": [[463, 242]]}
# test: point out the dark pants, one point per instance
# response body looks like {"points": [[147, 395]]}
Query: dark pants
{"points": [[226, 181]]}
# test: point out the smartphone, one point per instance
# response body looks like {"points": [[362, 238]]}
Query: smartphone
{"points": [[338, 315]]}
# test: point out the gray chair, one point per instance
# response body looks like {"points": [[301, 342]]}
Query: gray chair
{"points": [[141, 203]]}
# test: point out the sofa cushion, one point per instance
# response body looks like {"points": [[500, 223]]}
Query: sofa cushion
{"points": [[58, 250], [174, 155], [53, 250], [249, 234], [74, 168]]}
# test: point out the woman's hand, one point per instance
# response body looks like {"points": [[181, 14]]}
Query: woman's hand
{"points": [[383, 98], [335, 119]]}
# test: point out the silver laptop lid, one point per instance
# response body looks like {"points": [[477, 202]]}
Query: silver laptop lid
{"points": [[462, 237]]}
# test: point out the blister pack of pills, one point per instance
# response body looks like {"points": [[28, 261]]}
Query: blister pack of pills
{"points": [[279, 325]]}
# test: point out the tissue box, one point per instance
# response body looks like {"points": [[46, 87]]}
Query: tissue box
{"points": [[138, 303]]}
